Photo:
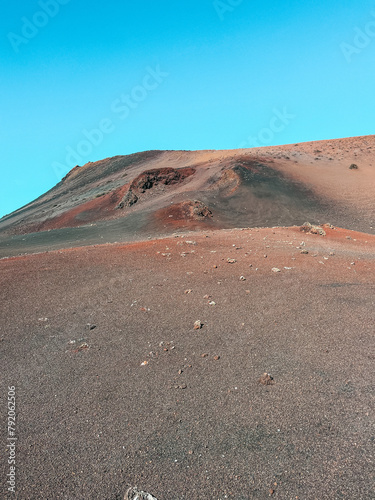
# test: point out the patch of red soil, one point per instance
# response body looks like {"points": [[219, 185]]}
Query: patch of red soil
{"points": [[195, 214], [101, 208]]}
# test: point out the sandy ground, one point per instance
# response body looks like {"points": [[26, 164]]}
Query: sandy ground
{"points": [[115, 388]]}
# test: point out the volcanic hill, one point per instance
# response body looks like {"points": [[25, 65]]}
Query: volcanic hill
{"points": [[157, 193]]}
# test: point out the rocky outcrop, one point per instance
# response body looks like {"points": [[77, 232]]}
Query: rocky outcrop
{"points": [[307, 227], [189, 209], [152, 178]]}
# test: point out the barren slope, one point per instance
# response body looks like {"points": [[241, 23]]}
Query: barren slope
{"points": [[149, 194]]}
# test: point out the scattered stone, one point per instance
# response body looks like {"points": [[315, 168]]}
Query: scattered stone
{"points": [[204, 355], [215, 267], [265, 256], [207, 297], [331, 254], [144, 363], [198, 325], [231, 261], [353, 166], [167, 346], [266, 379], [276, 270], [135, 494], [305, 252], [182, 386], [242, 278], [82, 347], [89, 326], [188, 291], [212, 303], [180, 371], [349, 238], [216, 358]]}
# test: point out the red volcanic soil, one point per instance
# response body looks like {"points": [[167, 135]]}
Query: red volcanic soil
{"points": [[115, 387], [100, 207], [190, 215]]}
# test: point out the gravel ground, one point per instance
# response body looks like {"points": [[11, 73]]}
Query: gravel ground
{"points": [[115, 388]]}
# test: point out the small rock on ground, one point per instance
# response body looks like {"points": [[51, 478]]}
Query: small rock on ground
{"points": [[135, 494], [266, 379]]}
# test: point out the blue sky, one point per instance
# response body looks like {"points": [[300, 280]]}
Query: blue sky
{"points": [[83, 81]]}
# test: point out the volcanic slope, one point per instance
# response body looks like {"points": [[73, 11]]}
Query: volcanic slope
{"points": [[156, 193]]}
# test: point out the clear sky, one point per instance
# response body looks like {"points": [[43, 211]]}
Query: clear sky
{"points": [[82, 81]]}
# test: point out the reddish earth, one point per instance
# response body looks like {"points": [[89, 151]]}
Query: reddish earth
{"points": [[189, 215], [100, 207], [272, 394]]}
